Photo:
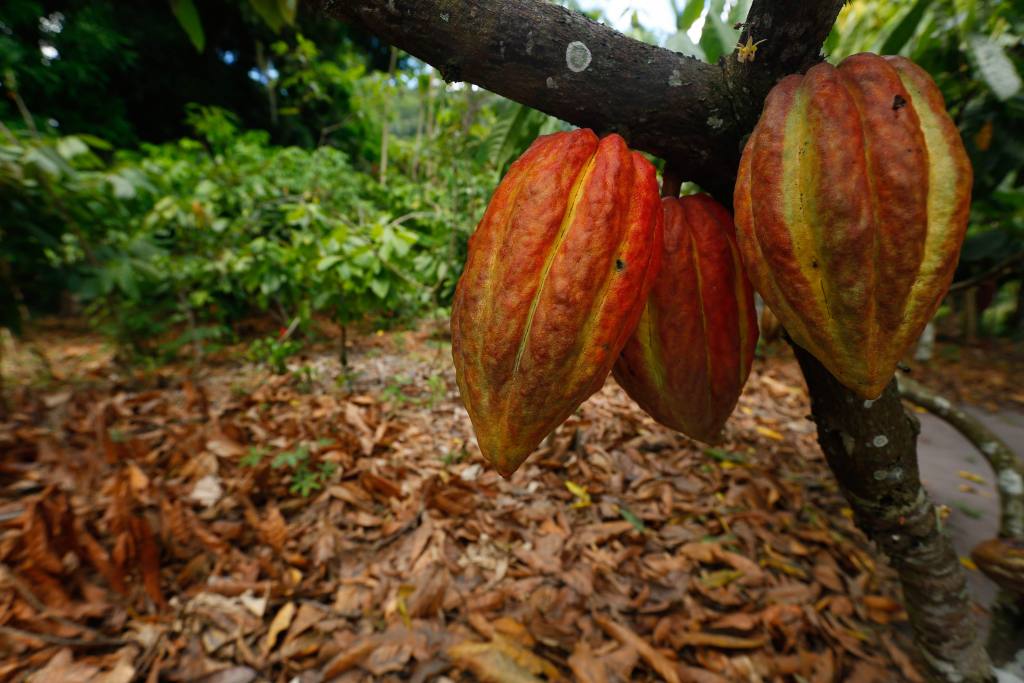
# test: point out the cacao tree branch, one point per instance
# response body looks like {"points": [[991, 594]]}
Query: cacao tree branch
{"points": [[696, 116], [1005, 464], [871, 447], [562, 63]]}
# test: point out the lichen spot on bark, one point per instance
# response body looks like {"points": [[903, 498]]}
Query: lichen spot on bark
{"points": [[715, 122], [551, 83], [895, 474], [868, 403], [444, 17], [880, 441], [675, 79], [577, 56], [1010, 482]]}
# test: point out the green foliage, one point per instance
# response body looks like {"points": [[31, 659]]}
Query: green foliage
{"points": [[274, 352], [297, 463]]}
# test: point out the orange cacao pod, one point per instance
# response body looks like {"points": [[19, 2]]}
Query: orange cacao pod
{"points": [[1002, 560], [556, 276], [690, 355], [851, 206]]}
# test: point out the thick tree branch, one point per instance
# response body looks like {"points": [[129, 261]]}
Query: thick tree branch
{"points": [[871, 448], [558, 61]]}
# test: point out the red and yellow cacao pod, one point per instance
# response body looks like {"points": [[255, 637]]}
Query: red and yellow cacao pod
{"points": [[851, 206], [555, 280], [690, 355], [1002, 560]]}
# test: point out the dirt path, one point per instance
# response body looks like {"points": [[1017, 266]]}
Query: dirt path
{"points": [[948, 465]]}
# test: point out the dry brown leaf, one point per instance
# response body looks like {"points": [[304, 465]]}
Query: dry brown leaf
{"points": [[282, 620], [490, 664], [659, 662], [587, 668]]}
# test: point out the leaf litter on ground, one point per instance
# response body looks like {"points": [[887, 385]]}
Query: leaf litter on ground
{"points": [[151, 530]]}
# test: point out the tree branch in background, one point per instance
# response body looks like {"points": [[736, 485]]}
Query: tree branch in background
{"points": [[1007, 467], [993, 272], [562, 63]]}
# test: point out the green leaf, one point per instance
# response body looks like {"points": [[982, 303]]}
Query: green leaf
{"points": [[691, 12], [904, 30], [994, 66], [717, 39], [188, 17], [680, 42], [270, 12], [724, 456], [380, 288], [628, 515]]}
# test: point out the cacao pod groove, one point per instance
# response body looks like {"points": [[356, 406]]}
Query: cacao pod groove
{"points": [[691, 353], [554, 283], [851, 206]]}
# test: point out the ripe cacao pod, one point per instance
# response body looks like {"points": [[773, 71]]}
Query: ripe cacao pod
{"points": [[851, 206], [690, 355], [555, 280], [1002, 560]]}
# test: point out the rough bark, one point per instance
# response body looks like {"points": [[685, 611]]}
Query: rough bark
{"points": [[562, 63], [871, 447]]}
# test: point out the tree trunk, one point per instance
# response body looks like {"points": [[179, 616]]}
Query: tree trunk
{"points": [[386, 121], [871, 447]]}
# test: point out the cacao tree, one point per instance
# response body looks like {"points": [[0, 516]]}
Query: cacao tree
{"points": [[698, 117]]}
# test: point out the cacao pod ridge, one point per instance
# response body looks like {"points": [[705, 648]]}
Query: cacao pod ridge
{"points": [[851, 202], [553, 286]]}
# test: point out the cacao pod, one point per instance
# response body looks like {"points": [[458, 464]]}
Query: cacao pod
{"points": [[555, 280], [851, 206], [1002, 560], [690, 355]]}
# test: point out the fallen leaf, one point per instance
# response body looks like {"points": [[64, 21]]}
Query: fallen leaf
{"points": [[282, 620]]}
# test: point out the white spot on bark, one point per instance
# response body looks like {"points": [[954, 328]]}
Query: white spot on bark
{"points": [[444, 17], [848, 443], [879, 441], [1010, 482], [990, 448], [896, 474], [551, 83], [868, 403], [943, 404], [577, 56], [529, 42], [715, 122], [675, 79]]}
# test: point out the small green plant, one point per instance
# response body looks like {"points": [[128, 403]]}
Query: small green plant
{"points": [[303, 379], [254, 457], [274, 352], [394, 391], [454, 457], [306, 477], [438, 390]]}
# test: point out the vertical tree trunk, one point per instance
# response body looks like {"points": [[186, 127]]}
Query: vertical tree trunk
{"points": [[343, 351], [871, 448], [971, 315], [386, 121]]}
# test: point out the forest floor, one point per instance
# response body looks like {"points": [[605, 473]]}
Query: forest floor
{"points": [[231, 525]]}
